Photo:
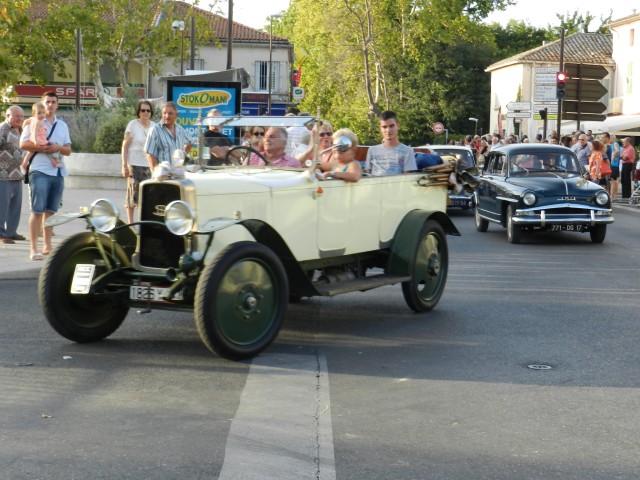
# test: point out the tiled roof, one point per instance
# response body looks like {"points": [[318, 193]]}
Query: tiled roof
{"points": [[593, 48], [218, 24]]}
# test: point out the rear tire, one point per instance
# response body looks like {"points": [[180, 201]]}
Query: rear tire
{"points": [[429, 271], [80, 318]]}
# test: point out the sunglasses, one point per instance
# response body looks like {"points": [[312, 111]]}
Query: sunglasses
{"points": [[258, 134], [145, 110], [326, 134]]}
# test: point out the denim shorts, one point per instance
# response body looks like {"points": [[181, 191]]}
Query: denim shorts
{"points": [[45, 192]]}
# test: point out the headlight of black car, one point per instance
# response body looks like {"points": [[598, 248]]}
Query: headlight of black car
{"points": [[602, 198], [529, 199]]}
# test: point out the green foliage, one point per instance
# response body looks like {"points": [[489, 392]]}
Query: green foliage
{"points": [[110, 134]]}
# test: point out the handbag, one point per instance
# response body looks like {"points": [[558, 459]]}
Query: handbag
{"points": [[31, 156]]}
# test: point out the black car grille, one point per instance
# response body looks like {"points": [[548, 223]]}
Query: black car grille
{"points": [[159, 248]]}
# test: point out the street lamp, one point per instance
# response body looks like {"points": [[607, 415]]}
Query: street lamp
{"points": [[475, 128], [271, 17], [179, 25]]}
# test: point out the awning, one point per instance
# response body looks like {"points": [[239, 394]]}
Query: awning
{"points": [[233, 75]]}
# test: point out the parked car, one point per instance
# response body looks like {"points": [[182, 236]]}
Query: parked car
{"points": [[235, 244], [539, 187], [459, 196]]}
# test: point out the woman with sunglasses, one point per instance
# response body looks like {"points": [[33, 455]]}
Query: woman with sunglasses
{"points": [[135, 167], [323, 133], [257, 138]]}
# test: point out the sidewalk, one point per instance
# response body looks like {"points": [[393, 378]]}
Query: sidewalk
{"points": [[14, 259]]}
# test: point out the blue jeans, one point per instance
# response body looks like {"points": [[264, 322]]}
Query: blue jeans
{"points": [[46, 192], [10, 206]]}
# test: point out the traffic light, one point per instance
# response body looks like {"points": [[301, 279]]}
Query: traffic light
{"points": [[561, 87]]}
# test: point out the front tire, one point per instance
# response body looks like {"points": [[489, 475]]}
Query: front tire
{"points": [[80, 318], [598, 233], [514, 232], [481, 224], [429, 271], [241, 300]]}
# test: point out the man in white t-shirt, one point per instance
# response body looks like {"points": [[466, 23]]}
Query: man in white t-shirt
{"points": [[391, 157]]}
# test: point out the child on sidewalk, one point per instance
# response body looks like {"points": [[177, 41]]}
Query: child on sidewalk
{"points": [[39, 131]]}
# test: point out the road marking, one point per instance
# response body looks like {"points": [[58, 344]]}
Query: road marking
{"points": [[282, 429]]}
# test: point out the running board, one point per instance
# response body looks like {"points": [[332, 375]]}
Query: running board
{"points": [[359, 284]]}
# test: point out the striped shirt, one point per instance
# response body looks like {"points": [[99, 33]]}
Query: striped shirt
{"points": [[161, 144]]}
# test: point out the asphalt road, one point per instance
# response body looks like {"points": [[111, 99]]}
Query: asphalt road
{"points": [[355, 387]]}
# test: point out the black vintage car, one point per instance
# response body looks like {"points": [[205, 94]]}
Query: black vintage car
{"points": [[539, 187]]}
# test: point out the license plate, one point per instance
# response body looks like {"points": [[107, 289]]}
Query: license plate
{"points": [[459, 203], [153, 294], [82, 278], [569, 228]]}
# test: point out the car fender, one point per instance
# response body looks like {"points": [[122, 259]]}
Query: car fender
{"points": [[265, 234], [402, 248]]}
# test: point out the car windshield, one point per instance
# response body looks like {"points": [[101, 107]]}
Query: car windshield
{"points": [[524, 163]]}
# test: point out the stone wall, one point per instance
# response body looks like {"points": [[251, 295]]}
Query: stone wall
{"points": [[97, 171]]}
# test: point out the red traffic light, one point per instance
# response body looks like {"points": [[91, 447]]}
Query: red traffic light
{"points": [[561, 77]]}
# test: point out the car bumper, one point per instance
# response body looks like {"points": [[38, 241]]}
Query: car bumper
{"points": [[563, 214]]}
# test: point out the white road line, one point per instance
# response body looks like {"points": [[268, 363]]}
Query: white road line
{"points": [[282, 429]]}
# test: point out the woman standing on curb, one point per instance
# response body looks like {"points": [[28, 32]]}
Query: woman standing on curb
{"points": [[135, 167]]}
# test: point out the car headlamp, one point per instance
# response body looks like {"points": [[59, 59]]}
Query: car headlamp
{"points": [[529, 199], [179, 217], [103, 215], [602, 198]]}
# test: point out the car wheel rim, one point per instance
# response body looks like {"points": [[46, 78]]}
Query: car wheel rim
{"points": [[429, 267], [246, 302]]}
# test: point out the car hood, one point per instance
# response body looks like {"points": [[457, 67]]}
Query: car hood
{"points": [[554, 184]]}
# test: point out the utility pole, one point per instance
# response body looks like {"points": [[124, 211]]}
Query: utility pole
{"points": [[560, 69]]}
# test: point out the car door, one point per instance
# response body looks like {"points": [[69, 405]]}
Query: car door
{"points": [[489, 186]]}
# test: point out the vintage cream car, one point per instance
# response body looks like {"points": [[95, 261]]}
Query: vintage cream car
{"points": [[235, 244]]}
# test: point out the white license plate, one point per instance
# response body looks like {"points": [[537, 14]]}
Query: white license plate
{"points": [[82, 278], [153, 294], [569, 228]]}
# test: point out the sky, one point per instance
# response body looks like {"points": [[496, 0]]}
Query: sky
{"points": [[537, 13]]}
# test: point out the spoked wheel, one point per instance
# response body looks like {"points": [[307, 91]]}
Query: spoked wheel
{"points": [[78, 317], [481, 224], [238, 159], [598, 233], [514, 232], [429, 271], [241, 300]]}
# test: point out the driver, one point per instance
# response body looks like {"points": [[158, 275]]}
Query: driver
{"points": [[275, 142]]}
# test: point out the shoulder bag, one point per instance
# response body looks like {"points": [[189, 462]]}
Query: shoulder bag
{"points": [[31, 155]]}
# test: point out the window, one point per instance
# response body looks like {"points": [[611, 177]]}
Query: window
{"points": [[198, 63], [632, 34], [262, 72]]}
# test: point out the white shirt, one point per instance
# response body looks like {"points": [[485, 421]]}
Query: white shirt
{"points": [[135, 154]]}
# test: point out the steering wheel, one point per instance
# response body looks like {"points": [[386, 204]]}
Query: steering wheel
{"points": [[232, 160]]}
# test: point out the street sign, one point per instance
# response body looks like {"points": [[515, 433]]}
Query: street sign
{"points": [[519, 106], [438, 128], [297, 93], [545, 78], [584, 117], [550, 116], [551, 107], [583, 70], [543, 93], [585, 90], [518, 114], [584, 107]]}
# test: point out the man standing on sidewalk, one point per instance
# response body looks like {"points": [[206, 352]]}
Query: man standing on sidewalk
{"points": [[46, 182], [10, 175]]}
